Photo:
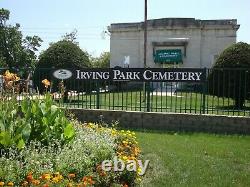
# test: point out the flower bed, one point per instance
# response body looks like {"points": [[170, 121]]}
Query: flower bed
{"points": [[77, 163], [41, 146]]}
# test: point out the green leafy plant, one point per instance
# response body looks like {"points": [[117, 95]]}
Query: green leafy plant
{"points": [[14, 131], [48, 122], [38, 120]]}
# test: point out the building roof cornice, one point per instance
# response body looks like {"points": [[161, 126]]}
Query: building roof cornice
{"points": [[176, 23]]}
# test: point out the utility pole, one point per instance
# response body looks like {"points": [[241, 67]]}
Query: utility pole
{"points": [[145, 47], [145, 32]]}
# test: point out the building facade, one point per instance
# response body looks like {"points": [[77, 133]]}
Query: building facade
{"points": [[182, 42]]}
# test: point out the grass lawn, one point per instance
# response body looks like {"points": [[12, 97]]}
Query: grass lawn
{"points": [[195, 159], [182, 102]]}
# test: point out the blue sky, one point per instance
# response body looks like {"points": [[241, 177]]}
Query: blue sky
{"points": [[50, 19]]}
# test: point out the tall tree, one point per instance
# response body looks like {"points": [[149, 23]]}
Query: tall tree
{"points": [[16, 51], [72, 36], [62, 54], [103, 61]]}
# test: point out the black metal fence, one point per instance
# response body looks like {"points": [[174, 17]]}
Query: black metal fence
{"points": [[223, 92]]}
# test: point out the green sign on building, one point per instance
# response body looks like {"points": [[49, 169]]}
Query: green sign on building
{"points": [[168, 56]]}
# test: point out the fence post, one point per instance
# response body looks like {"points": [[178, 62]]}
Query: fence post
{"points": [[204, 90], [97, 95], [148, 96]]}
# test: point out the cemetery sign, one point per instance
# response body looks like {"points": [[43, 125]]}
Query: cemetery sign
{"points": [[136, 74]]}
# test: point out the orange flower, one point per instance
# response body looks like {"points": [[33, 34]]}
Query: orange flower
{"points": [[29, 177], [100, 171], [103, 174], [45, 185], [91, 182], [72, 175], [10, 76], [35, 182], [7, 75], [25, 183], [125, 185], [85, 178], [46, 83], [9, 84], [16, 78], [88, 180], [1, 183]]}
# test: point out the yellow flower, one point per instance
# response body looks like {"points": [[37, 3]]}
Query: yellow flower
{"points": [[113, 132], [139, 170], [10, 184], [55, 179], [58, 176], [1, 183], [138, 179], [132, 158], [125, 158], [69, 184], [46, 176]]}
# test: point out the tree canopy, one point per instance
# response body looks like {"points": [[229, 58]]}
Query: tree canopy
{"points": [[16, 51], [103, 61], [230, 75], [235, 56], [63, 54]]}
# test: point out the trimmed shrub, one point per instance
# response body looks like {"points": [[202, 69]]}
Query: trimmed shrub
{"points": [[230, 75]]}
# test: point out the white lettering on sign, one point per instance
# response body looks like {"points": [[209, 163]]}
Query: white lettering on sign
{"points": [[131, 74], [92, 75], [171, 76]]}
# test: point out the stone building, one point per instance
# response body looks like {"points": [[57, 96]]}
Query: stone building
{"points": [[182, 42]]}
